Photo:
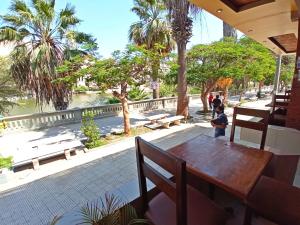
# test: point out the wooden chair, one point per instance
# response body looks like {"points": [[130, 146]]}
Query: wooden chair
{"points": [[275, 201], [261, 125], [177, 203], [283, 168]]}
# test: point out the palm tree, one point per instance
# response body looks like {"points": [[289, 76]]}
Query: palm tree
{"points": [[181, 12], [229, 31], [8, 88], [41, 38], [152, 29]]}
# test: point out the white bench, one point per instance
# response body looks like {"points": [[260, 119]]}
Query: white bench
{"points": [[167, 121], [155, 118], [32, 154]]}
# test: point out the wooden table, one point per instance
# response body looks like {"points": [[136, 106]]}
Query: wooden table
{"points": [[232, 167]]}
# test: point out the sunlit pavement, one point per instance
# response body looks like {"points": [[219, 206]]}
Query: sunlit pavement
{"points": [[61, 187]]}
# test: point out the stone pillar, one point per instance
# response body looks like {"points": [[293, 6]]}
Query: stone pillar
{"points": [[293, 114], [277, 74]]}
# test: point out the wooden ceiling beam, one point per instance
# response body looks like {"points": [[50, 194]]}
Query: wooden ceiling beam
{"points": [[237, 8], [298, 6]]}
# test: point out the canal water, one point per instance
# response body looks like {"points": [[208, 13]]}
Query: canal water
{"points": [[28, 106]]}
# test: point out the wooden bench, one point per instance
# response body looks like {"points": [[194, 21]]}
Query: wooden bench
{"points": [[167, 121], [33, 154]]}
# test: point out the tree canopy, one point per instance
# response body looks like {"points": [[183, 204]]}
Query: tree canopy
{"points": [[42, 39]]}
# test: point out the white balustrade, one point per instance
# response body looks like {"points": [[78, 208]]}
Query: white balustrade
{"points": [[52, 119]]}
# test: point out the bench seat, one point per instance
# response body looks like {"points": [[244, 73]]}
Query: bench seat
{"points": [[167, 121], [32, 154], [154, 118]]}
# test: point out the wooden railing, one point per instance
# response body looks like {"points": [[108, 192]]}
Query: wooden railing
{"points": [[52, 119]]}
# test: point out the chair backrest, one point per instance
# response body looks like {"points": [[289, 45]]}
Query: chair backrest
{"points": [[177, 167], [261, 125], [280, 101]]}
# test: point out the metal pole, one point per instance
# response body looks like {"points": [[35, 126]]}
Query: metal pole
{"points": [[277, 75]]}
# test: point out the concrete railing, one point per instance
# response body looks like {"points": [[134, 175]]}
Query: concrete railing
{"points": [[52, 119]]}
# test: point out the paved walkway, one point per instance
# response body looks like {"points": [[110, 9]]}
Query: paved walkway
{"points": [[85, 178], [37, 202]]}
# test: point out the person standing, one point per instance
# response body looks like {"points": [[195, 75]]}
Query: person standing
{"points": [[210, 100], [221, 122], [216, 102]]}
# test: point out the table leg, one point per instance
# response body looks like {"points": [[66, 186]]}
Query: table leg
{"points": [[212, 190], [248, 216]]}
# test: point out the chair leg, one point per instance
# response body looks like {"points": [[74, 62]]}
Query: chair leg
{"points": [[212, 190], [248, 216]]}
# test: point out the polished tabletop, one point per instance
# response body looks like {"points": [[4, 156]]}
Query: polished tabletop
{"points": [[232, 167]]}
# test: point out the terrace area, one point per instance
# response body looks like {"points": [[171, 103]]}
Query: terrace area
{"points": [[182, 175]]}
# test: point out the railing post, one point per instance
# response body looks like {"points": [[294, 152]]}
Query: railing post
{"points": [[78, 115], [164, 102]]}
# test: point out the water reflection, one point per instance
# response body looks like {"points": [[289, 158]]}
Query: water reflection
{"points": [[28, 106]]}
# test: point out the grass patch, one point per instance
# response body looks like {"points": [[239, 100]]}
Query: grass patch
{"points": [[118, 137]]}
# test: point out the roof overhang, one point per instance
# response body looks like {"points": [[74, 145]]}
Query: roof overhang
{"points": [[273, 23]]}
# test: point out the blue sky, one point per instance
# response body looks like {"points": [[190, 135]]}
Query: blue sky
{"points": [[109, 22]]}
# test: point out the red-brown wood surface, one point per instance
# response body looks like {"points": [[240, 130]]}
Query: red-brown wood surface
{"points": [[232, 167]]}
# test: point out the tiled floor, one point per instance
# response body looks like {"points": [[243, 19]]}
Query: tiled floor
{"points": [[36, 203]]}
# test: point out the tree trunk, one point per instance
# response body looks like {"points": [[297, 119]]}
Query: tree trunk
{"points": [[229, 31], [204, 102], [126, 116], [155, 69], [183, 101], [225, 95], [123, 98]]}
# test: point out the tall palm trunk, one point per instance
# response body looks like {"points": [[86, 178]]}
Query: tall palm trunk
{"points": [[155, 69], [229, 31], [183, 101]]}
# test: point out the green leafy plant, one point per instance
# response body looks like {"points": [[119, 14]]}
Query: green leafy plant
{"points": [[194, 90], [112, 100], [5, 162], [107, 211], [81, 89], [91, 131], [136, 94], [167, 90], [110, 211]]}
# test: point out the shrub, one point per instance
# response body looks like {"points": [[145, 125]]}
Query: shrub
{"points": [[91, 131], [112, 100], [136, 94], [167, 90], [194, 90], [5, 162], [81, 89]]}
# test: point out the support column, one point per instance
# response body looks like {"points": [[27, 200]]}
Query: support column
{"points": [[277, 75], [293, 112]]}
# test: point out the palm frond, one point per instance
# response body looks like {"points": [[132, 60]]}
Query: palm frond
{"points": [[55, 220], [110, 211], [9, 34]]}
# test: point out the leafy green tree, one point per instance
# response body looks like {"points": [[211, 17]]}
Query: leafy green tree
{"points": [[259, 64], [151, 30], [8, 88], [207, 64], [128, 68], [42, 39], [180, 13], [287, 71]]}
